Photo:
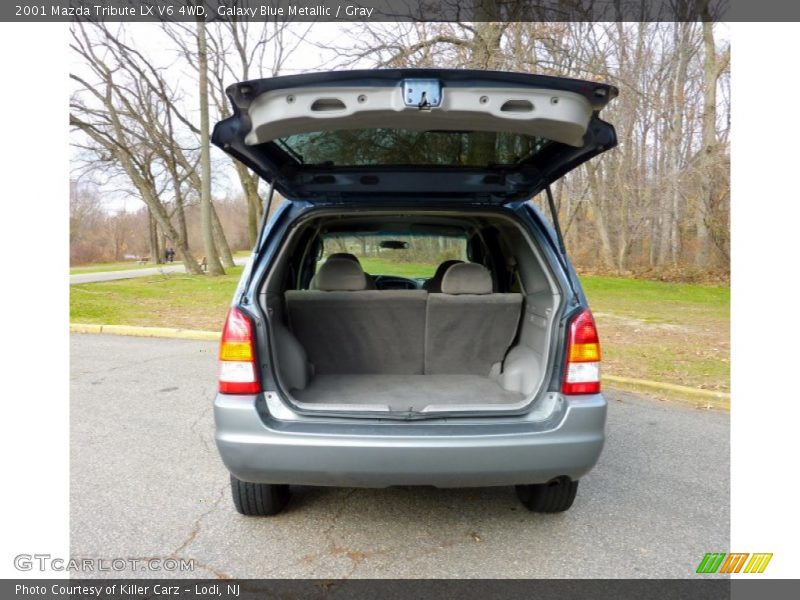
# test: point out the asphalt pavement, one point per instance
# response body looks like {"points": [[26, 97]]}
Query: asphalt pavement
{"points": [[146, 481], [132, 273]]}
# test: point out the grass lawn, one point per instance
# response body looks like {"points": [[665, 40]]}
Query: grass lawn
{"points": [[676, 333], [378, 266], [672, 332], [170, 300]]}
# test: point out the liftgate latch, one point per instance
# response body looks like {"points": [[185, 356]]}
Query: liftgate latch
{"points": [[422, 93]]}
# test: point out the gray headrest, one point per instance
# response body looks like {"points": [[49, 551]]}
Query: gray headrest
{"points": [[434, 284], [340, 275], [345, 255], [467, 278]]}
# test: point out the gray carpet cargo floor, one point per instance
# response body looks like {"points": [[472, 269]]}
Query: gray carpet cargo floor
{"points": [[405, 392]]}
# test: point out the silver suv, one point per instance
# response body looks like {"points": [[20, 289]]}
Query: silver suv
{"points": [[408, 316]]}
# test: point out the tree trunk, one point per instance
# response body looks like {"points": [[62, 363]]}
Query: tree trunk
{"points": [[220, 241], [152, 241], [206, 217], [181, 221], [606, 253], [163, 240], [670, 242], [161, 218], [254, 208], [709, 138]]}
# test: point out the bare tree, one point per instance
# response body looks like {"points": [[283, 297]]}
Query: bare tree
{"points": [[214, 264], [659, 202], [168, 131], [710, 161], [108, 113], [238, 51]]}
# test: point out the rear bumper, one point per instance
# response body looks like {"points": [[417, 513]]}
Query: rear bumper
{"points": [[566, 440]]}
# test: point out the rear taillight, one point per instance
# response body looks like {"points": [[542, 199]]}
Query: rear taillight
{"points": [[238, 372], [582, 371]]}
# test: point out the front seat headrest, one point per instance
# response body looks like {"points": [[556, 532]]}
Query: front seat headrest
{"points": [[434, 284], [345, 255], [340, 275], [467, 278]]}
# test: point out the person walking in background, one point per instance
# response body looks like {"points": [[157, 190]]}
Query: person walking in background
{"points": [[170, 254]]}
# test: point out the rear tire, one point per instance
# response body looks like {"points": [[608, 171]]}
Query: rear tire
{"points": [[258, 499], [554, 496]]}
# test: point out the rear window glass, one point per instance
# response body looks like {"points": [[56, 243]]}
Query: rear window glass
{"points": [[402, 255], [398, 147]]}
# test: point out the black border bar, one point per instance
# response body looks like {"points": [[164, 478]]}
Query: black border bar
{"points": [[400, 10], [700, 587]]}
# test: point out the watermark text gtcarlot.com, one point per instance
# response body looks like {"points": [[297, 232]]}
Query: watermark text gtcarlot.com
{"points": [[46, 562]]}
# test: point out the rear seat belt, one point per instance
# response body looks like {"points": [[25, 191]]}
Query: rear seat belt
{"points": [[513, 274]]}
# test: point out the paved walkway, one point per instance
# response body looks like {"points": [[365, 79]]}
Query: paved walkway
{"points": [[131, 273]]}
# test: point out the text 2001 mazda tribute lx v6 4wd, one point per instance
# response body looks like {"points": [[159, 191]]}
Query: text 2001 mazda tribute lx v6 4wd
{"points": [[343, 362]]}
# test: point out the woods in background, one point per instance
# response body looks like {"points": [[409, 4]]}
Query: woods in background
{"points": [[658, 204]]}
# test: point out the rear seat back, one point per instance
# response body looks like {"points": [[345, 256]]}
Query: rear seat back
{"points": [[469, 328], [345, 329]]}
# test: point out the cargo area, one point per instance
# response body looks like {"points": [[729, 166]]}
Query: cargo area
{"points": [[474, 336], [400, 393]]}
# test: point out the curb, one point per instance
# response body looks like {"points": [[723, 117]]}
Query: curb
{"points": [[213, 336], [669, 387], [159, 332]]}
